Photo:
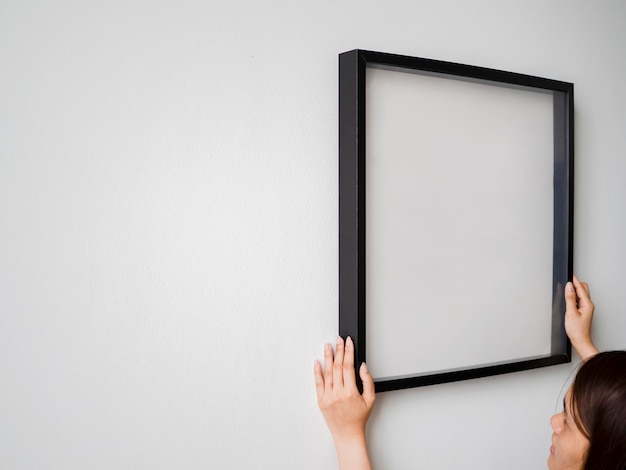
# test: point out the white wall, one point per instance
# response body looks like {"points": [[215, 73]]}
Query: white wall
{"points": [[168, 227]]}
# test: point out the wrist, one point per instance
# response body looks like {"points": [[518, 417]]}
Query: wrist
{"points": [[348, 436], [585, 348]]}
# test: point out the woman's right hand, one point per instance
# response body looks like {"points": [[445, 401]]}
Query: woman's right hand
{"points": [[578, 317]]}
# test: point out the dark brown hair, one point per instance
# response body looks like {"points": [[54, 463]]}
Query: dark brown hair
{"points": [[599, 409]]}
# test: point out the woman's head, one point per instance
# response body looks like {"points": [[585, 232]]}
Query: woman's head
{"points": [[591, 431]]}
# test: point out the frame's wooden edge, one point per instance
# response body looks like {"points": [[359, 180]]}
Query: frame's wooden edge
{"points": [[387, 384], [461, 70], [563, 240], [351, 202], [570, 196]]}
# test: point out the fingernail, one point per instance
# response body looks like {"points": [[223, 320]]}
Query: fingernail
{"points": [[349, 341], [339, 340], [364, 367], [569, 287], [326, 348]]}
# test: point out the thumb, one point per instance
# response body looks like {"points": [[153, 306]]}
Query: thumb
{"points": [[570, 298], [369, 393]]}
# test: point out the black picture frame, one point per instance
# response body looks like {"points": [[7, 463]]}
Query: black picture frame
{"points": [[353, 66]]}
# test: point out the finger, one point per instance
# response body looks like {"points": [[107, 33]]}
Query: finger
{"points": [[328, 367], [582, 290], [338, 365], [319, 379], [369, 392], [349, 377], [570, 299], [581, 285]]}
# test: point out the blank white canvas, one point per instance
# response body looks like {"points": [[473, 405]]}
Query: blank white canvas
{"points": [[459, 221]]}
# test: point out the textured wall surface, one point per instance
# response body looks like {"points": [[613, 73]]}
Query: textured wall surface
{"points": [[168, 227]]}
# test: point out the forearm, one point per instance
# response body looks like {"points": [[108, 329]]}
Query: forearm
{"points": [[352, 453]]}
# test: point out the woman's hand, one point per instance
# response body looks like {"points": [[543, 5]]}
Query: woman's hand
{"points": [[345, 410], [578, 317]]}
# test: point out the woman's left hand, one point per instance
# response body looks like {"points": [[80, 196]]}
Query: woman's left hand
{"points": [[345, 410]]}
